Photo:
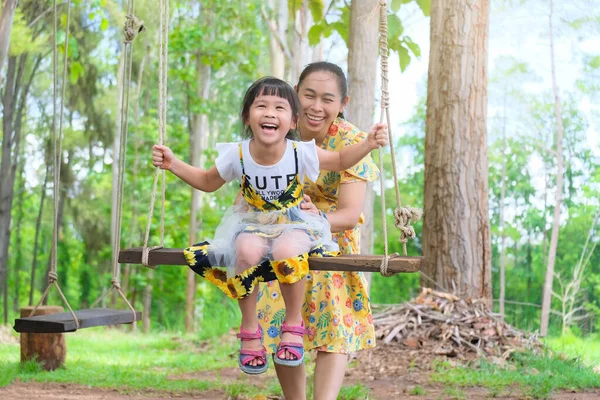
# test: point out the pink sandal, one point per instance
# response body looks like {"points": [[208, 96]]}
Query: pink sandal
{"points": [[247, 355], [297, 349]]}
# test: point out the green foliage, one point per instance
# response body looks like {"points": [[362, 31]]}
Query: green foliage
{"points": [[21, 37], [397, 42]]}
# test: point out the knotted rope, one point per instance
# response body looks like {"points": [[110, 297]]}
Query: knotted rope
{"points": [[132, 27], [403, 215], [163, 58], [57, 156]]}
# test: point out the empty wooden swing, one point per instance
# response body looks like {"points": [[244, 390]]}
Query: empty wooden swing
{"points": [[74, 320], [386, 264]]}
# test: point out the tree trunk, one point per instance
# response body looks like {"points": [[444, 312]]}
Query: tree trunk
{"points": [[501, 227], [59, 220], [6, 21], [147, 303], [19, 252], [199, 136], [134, 173], [8, 166], [547, 296], [362, 77], [277, 37], [115, 154], [302, 52], [49, 349], [38, 224], [456, 231]]}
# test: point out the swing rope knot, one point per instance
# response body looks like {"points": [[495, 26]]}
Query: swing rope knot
{"points": [[116, 283], [52, 277], [133, 26], [146, 252], [403, 217]]}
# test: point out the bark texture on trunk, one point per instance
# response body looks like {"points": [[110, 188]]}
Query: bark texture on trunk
{"points": [[456, 229], [6, 21], [49, 349]]}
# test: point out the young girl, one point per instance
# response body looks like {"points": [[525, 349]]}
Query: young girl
{"points": [[266, 236]]}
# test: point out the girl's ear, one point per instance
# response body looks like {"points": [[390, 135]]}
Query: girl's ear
{"points": [[294, 123]]}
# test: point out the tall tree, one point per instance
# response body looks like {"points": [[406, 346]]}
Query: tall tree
{"points": [[558, 152], [6, 21], [362, 76], [456, 230]]}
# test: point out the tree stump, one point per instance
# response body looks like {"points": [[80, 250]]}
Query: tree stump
{"points": [[49, 349]]}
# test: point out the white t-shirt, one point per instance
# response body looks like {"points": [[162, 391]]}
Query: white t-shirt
{"points": [[270, 181]]}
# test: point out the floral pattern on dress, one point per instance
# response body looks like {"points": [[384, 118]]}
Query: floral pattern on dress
{"points": [[336, 308]]}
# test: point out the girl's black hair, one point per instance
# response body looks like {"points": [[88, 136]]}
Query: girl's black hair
{"points": [[270, 86], [327, 67]]}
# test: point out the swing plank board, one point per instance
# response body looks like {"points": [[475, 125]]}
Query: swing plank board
{"points": [[348, 262], [63, 322]]}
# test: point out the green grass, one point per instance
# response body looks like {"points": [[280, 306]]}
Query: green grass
{"points": [[112, 359], [588, 349], [108, 358], [536, 376]]}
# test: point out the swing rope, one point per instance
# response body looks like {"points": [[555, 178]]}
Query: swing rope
{"points": [[57, 156], [132, 27], [403, 216], [163, 57]]}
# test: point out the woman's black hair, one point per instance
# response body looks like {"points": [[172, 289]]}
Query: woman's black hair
{"points": [[327, 67], [269, 86]]}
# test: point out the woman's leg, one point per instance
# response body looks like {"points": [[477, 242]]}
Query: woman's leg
{"points": [[288, 245], [330, 369], [250, 249]]}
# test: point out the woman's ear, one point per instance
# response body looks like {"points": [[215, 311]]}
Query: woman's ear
{"points": [[344, 104]]}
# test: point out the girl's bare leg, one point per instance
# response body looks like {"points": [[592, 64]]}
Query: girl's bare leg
{"points": [[288, 245], [250, 250]]}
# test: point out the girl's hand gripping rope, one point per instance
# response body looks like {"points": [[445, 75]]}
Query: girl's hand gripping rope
{"points": [[162, 157]]}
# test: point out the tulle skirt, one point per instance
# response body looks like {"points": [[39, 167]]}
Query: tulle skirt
{"points": [[260, 246]]}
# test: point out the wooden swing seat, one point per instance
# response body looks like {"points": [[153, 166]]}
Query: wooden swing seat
{"points": [[63, 322], [348, 262]]}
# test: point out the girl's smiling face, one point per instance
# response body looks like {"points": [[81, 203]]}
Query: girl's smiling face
{"points": [[320, 103], [270, 118]]}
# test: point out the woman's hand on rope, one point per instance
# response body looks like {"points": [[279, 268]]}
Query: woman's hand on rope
{"points": [[308, 206], [378, 136], [162, 157]]}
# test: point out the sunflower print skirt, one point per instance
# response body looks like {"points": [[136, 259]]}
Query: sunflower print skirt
{"points": [[208, 258]]}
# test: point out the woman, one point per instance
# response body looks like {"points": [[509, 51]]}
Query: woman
{"points": [[336, 310]]}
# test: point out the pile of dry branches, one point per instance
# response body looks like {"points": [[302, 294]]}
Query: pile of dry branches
{"points": [[448, 325]]}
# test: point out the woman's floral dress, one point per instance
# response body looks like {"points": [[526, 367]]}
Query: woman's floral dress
{"points": [[336, 310]]}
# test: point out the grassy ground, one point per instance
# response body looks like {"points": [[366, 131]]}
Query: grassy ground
{"points": [[130, 362], [171, 363]]}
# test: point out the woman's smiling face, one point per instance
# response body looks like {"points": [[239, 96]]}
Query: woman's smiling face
{"points": [[320, 103]]}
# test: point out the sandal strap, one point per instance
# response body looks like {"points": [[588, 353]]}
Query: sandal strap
{"points": [[293, 329], [247, 355], [247, 335], [297, 349]]}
